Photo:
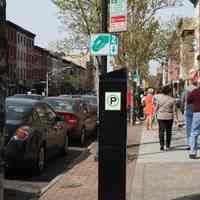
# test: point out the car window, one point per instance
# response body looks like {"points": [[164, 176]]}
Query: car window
{"points": [[61, 104]]}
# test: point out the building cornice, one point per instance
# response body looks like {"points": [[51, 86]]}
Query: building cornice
{"points": [[20, 29]]}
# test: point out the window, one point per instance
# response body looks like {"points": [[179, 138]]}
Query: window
{"points": [[18, 39]]}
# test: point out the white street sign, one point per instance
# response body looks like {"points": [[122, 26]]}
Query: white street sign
{"points": [[113, 101], [118, 15], [103, 44]]}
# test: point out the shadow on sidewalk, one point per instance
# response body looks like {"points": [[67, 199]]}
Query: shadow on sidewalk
{"points": [[55, 166], [190, 197], [153, 142], [14, 194]]}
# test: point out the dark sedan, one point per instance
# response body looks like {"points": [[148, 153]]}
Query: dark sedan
{"points": [[34, 133], [81, 120]]}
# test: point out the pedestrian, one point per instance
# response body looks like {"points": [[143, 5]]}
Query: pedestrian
{"points": [[165, 111], [149, 108], [187, 108], [129, 104], [193, 99], [155, 101]]}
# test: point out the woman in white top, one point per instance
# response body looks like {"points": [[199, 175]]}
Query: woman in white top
{"points": [[165, 111]]}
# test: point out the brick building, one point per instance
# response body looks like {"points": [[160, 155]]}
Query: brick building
{"points": [[174, 58], [186, 28], [21, 56], [12, 57], [28, 64]]}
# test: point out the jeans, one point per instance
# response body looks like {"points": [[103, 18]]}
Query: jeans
{"points": [[195, 132], [188, 118], [165, 126]]}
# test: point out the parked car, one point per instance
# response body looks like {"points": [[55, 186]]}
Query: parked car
{"points": [[34, 133], [81, 122], [90, 98], [29, 96]]}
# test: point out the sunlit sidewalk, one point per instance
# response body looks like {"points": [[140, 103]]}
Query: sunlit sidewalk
{"points": [[165, 175]]}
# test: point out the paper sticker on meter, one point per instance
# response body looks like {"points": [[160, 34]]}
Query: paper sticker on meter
{"points": [[113, 101]]}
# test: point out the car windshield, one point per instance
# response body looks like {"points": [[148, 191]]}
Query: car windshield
{"points": [[92, 100], [60, 105], [17, 111]]}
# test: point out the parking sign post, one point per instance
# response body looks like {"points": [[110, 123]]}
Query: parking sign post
{"points": [[113, 136]]}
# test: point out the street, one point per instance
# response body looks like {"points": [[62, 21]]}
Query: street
{"points": [[23, 186]]}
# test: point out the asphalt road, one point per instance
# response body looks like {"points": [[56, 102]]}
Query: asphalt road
{"points": [[22, 185]]}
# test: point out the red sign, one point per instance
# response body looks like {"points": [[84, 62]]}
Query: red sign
{"points": [[118, 19]]}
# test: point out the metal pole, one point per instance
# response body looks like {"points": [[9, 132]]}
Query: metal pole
{"points": [[104, 16], [3, 88], [47, 84], [104, 22]]}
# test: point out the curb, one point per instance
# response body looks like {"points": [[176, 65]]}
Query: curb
{"points": [[57, 178]]}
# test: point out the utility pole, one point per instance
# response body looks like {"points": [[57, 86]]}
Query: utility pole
{"points": [[3, 72], [104, 22], [47, 84]]}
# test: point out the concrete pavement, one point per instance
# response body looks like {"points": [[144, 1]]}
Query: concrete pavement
{"points": [[81, 182], [168, 175]]}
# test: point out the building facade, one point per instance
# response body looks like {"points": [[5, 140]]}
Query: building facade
{"points": [[186, 28], [21, 61], [28, 65]]}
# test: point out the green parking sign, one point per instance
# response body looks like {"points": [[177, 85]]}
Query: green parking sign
{"points": [[103, 44]]}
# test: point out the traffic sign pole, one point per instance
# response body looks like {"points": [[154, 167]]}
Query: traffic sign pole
{"points": [[104, 21]]}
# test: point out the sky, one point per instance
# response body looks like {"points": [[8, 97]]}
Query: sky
{"points": [[40, 17]]}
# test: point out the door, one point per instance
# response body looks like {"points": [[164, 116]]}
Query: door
{"points": [[49, 135], [58, 128], [86, 112]]}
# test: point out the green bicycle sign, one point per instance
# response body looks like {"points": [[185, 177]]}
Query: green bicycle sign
{"points": [[103, 44]]}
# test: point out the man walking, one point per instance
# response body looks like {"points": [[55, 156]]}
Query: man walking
{"points": [[193, 99], [188, 107]]}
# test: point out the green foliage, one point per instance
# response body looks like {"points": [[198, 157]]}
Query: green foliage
{"points": [[80, 18], [145, 39], [73, 81]]}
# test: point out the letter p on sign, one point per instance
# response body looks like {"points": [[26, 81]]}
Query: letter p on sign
{"points": [[113, 101]]}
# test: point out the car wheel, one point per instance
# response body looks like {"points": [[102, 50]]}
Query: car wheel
{"points": [[41, 160], [83, 137]]}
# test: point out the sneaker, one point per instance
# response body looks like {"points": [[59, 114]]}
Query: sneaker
{"points": [[192, 156], [162, 148], [188, 148]]}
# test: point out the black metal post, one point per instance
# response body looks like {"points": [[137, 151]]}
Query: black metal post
{"points": [[3, 88], [104, 22]]}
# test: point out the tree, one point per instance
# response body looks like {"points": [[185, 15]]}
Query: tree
{"points": [[139, 44], [80, 18]]}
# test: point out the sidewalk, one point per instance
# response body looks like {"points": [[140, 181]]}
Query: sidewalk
{"points": [[81, 182], [168, 175]]}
